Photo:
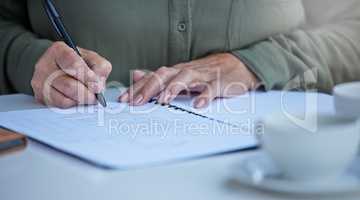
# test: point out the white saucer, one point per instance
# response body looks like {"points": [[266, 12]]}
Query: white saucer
{"points": [[259, 171]]}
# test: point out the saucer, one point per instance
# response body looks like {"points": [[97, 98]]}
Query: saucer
{"points": [[259, 172]]}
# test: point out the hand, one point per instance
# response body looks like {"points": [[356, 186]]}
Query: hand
{"points": [[64, 79], [219, 75]]}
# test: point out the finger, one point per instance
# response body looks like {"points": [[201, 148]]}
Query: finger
{"points": [[179, 83], [132, 95], [128, 96], [75, 90], [97, 63], [42, 78], [233, 89], [211, 91], [57, 99], [138, 75], [197, 86], [39, 97], [155, 84], [39, 100], [73, 65]]}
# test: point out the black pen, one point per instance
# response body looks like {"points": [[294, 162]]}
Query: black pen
{"points": [[60, 29]]}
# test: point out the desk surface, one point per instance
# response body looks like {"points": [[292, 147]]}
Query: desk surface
{"points": [[43, 173]]}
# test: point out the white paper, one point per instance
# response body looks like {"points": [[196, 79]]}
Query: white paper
{"points": [[124, 137]]}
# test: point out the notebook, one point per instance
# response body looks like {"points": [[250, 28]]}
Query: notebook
{"points": [[124, 137]]}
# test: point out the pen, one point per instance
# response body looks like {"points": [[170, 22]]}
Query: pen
{"points": [[60, 29]]}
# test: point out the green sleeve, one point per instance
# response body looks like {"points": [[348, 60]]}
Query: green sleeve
{"points": [[19, 47], [316, 58]]}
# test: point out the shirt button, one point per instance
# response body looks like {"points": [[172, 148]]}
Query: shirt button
{"points": [[181, 27]]}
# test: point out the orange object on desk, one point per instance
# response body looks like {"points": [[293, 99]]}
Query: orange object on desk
{"points": [[11, 141]]}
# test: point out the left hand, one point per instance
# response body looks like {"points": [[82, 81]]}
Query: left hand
{"points": [[218, 75]]}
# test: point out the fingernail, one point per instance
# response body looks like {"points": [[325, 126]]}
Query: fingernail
{"points": [[192, 85], [200, 103], [168, 97], [124, 98], [138, 99]]}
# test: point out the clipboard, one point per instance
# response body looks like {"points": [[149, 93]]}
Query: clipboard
{"points": [[11, 142]]}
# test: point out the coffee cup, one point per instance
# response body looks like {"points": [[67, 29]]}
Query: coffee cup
{"points": [[347, 99], [318, 150]]}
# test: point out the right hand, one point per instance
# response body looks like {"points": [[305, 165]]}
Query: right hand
{"points": [[63, 79]]}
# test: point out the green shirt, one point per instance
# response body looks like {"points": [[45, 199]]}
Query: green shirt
{"points": [[144, 34]]}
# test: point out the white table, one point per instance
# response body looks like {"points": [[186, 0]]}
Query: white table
{"points": [[40, 172]]}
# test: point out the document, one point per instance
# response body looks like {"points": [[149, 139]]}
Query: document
{"points": [[123, 137]]}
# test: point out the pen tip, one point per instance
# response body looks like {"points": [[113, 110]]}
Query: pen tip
{"points": [[103, 103], [101, 99]]}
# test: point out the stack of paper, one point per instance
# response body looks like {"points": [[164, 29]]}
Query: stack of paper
{"points": [[124, 137]]}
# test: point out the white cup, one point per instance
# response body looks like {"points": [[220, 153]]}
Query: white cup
{"points": [[347, 99], [307, 156]]}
